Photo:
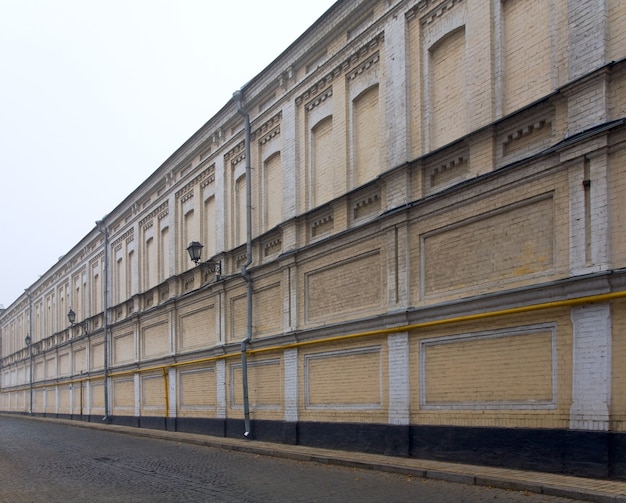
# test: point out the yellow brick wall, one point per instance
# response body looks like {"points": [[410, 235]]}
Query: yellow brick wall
{"points": [[123, 347], [526, 30], [367, 136], [96, 391], [64, 399], [51, 400], [153, 395], [80, 359], [38, 399], [323, 161], [513, 371], [617, 95], [96, 355], [265, 387], [79, 393], [414, 84], [64, 364], [196, 324], [504, 240], [123, 396], [344, 382], [237, 324], [489, 368], [197, 391], [500, 245], [273, 190], [268, 301], [371, 265], [155, 338], [448, 84], [617, 30], [357, 279], [617, 206]]}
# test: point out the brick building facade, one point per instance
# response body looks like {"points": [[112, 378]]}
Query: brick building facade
{"points": [[436, 262]]}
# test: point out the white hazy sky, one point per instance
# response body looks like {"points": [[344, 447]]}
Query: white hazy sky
{"points": [[95, 95]]}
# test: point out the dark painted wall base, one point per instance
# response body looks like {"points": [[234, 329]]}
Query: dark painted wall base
{"points": [[580, 453]]}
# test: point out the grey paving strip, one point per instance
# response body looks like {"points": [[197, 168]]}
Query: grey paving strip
{"points": [[584, 489]]}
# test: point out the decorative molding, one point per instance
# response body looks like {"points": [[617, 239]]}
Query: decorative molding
{"points": [[442, 169], [436, 12], [124, 237], [187, 197], [272, 134], [189, 186], [353, 59], [437, 174], [366, 206], [272, 246], [237, 151], [537, 130], [188, 281], [526, 131], [268, 129], [161, 209], [322, 225], [210, 179], [319, 99], [286, 77], [366, 65]]}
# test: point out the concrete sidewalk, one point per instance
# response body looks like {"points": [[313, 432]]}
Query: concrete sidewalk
{"points": [[596, 490]]}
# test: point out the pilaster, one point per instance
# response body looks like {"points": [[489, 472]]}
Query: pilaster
{"points": [[220, 382], [588, 35], [395, 89], [172, 395], [137, 385], [591, 367], [290, 363], [399, 379]]}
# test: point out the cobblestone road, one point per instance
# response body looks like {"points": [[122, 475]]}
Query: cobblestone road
{"points": [[43, 461]]}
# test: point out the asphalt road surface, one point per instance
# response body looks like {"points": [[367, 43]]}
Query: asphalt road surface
{"points": [[43, 461]]}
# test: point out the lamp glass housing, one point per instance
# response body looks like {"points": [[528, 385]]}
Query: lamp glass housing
{"points": [[195, 251], [71, 316]]}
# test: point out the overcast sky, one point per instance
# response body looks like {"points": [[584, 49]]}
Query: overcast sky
{"points": [[96, 95]]}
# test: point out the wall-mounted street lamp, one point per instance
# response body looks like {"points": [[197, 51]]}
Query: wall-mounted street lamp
{"points": [[29, 344], [71, 317], [195, 252]]}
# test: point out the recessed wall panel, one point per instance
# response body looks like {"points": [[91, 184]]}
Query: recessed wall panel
{"points": [[344, 287], [513, 368], [509, 243], [344, 380]]}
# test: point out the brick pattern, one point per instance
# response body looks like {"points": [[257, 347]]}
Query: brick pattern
{"points": [[591, 387], [360, 225]]}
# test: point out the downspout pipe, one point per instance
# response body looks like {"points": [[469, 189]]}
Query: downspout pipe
{"points": [[238, 98], [105, 301], [30, 351]]}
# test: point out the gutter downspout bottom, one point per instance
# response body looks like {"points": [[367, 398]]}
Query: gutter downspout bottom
{"points": [[238, 98]]}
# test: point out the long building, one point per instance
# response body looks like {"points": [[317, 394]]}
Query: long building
{"points": [[413, 243]]}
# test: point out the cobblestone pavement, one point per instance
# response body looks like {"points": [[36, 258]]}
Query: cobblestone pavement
{"points": [[48, 461]]}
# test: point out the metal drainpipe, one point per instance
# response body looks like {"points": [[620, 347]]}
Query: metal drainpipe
{"points": [[30, 351], [238, 98], [103, 229]]}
